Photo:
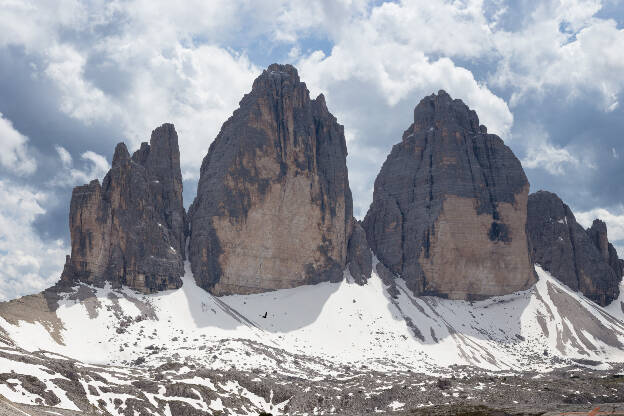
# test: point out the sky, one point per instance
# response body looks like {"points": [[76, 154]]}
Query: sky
{"points": [[77, 77]]}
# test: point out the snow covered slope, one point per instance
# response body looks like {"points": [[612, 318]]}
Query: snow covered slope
{"points": [[317, 329], [119, 351]]}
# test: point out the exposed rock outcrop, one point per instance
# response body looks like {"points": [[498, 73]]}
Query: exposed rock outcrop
{"points": [[130, 230], [273, 207], [584, 260], [449, 207], [598, 233], [359, 255]]}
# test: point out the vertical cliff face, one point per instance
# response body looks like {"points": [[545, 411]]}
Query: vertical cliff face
{"points": [[273, 207], [130, 230], [598, 234], [584, 260], [449, 207], [360, 260]]}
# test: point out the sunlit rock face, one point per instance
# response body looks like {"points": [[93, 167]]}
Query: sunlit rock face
{"points": [[449, 208], [273, 207], [582, 259], [130, 230]]}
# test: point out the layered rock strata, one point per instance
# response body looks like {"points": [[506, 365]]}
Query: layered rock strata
{"points": [[449, 207], [273, 207], [130, 230], [584, 260]]}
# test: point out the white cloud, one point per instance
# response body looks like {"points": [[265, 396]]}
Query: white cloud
{"points": [[15, 155], [554, 160], [385, 52], [95, 166], [79, 98], [180, 71], [541, 153], [27, 264], [563, 46], [64, 155], [36, 25]]}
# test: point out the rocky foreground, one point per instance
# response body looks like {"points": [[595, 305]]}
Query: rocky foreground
{"points": [[179, 389]]}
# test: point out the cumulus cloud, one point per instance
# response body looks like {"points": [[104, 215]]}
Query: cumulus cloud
{"points": [[27, 264], [95, 166], [15, 155], [563, 46], [79, 97], [542, 154], [554, 159], [64, 155]]}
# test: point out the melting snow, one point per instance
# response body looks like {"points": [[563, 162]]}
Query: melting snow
{"points": [[340, 323]]}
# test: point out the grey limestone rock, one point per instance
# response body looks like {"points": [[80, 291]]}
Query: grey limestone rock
{"points": [[359, 255], [598, 234], [130, 230], [273, 207], [582, 259], [449, 207]]}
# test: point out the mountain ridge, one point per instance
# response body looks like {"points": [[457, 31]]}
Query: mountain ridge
{"points": [[269, 296]]}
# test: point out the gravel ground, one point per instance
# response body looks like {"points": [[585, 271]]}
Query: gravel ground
{"points": [[463, 391]]}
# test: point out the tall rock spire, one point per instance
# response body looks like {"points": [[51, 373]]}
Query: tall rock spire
{"points": [[449, 207], [130, 230], [273, 207]]}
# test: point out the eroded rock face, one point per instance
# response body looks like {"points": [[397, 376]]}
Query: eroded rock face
{"points": [[449, 207], [584, 260], [273, 207], [359, 254], [598, 234], [130, 230]]}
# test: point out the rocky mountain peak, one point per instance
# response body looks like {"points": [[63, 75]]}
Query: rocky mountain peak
{"points": [[449, 207], [440, 110], [278, 82], [273, 207], [582, 259], [131, 229], [277, 75], [598, 233], [121, 154]]}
